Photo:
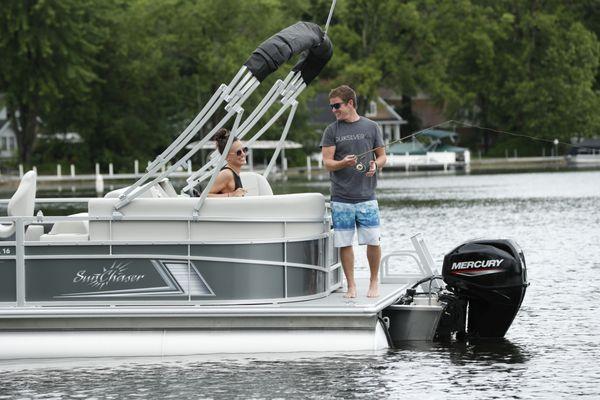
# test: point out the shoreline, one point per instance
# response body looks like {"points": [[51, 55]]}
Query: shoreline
{"points": [[477, 166]]}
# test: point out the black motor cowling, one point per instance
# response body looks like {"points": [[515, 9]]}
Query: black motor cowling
{"points": [[491, 277]]}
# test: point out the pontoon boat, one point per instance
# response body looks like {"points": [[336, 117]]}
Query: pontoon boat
{"points": [[148, 271]]}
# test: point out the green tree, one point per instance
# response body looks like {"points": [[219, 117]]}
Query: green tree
{"points": [[521, 66], [514, 65], [161, 64], [48, 52], [381, 44], [130, 74]]}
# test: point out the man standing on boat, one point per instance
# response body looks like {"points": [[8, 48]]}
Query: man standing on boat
{"points": [[346, 146]]}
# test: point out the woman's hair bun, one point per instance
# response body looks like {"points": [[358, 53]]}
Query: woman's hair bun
{"points": [[221, 136]]}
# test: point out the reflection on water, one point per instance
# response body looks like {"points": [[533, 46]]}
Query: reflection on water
{"points": [[407, 372], [502, 351], [551, 351]]}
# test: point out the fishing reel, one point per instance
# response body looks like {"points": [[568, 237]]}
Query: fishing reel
{"points": [[362, 167], [363, 163]]}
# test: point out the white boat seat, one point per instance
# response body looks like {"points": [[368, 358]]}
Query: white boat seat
{"points": [[232, 210], [255, 184], [65, 237], [155, 191], [33, 233], [68, 230], [21, 203], [167, 187]]}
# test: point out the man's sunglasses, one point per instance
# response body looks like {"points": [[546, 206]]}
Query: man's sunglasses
{"points": [[240, 151], [335, 106]]}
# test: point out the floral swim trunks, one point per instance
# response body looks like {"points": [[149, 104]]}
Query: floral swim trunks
{"points": [[363, 217]]}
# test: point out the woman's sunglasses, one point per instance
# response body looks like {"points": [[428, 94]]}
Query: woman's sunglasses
{"points": [[241, 151], [335, 106]]}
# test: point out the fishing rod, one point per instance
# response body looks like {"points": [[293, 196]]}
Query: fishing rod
{"points": [[360, 166]]}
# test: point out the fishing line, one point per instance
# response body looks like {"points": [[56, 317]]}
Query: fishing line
{"points": [[555, 141], [360, 166]]}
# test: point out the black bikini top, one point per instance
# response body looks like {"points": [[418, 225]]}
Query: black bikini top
{"points": [[236, 178]]}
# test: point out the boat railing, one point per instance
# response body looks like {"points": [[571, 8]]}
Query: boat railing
{"points": [[18, 254], [45, 219], [421, 257], [26, 222]]}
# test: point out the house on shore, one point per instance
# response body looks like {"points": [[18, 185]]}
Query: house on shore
{"points": [[585, 153], [433, 149], [8, 139], [378, 110]]}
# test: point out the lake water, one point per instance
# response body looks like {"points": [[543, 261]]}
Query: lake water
{"points": [[551, 351]]}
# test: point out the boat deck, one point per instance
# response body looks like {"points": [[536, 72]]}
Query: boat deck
{"points": [[388, 294], [333, 311]]}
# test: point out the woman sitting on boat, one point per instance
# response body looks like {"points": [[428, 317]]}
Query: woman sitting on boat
{"points": [[228, 182]]}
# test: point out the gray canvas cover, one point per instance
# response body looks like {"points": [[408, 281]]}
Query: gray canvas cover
{"points": [[302, 37]]}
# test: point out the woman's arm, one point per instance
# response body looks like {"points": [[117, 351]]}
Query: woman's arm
{"points": [[223, 185]]}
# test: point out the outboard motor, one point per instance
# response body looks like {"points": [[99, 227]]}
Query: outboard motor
{"points": [[487, 280]]}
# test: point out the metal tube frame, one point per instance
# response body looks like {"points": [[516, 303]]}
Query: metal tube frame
{"points": [[235, 94], [281, 142], [279, 88], [271, 96], [182, 139], [329, 16], [288, 100], [249, 88]]}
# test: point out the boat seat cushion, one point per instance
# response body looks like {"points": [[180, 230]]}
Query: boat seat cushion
{"points": [[154, 192], [21, 204], [226, 219], [33, 233], [255, 184], [64, 237], [74, 230], [167, 188]]}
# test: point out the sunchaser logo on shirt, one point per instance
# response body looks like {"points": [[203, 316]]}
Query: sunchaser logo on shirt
{"points": [[355, 136], [116, 273]]}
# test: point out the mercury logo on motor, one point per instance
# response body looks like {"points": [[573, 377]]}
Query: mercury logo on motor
{"points": [[476, 264]]}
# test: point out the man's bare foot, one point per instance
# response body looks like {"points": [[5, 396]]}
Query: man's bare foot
{"points": [[350, 293], [373, 290]]}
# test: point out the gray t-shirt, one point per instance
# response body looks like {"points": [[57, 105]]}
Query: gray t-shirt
{"points": [[353, 138]]}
